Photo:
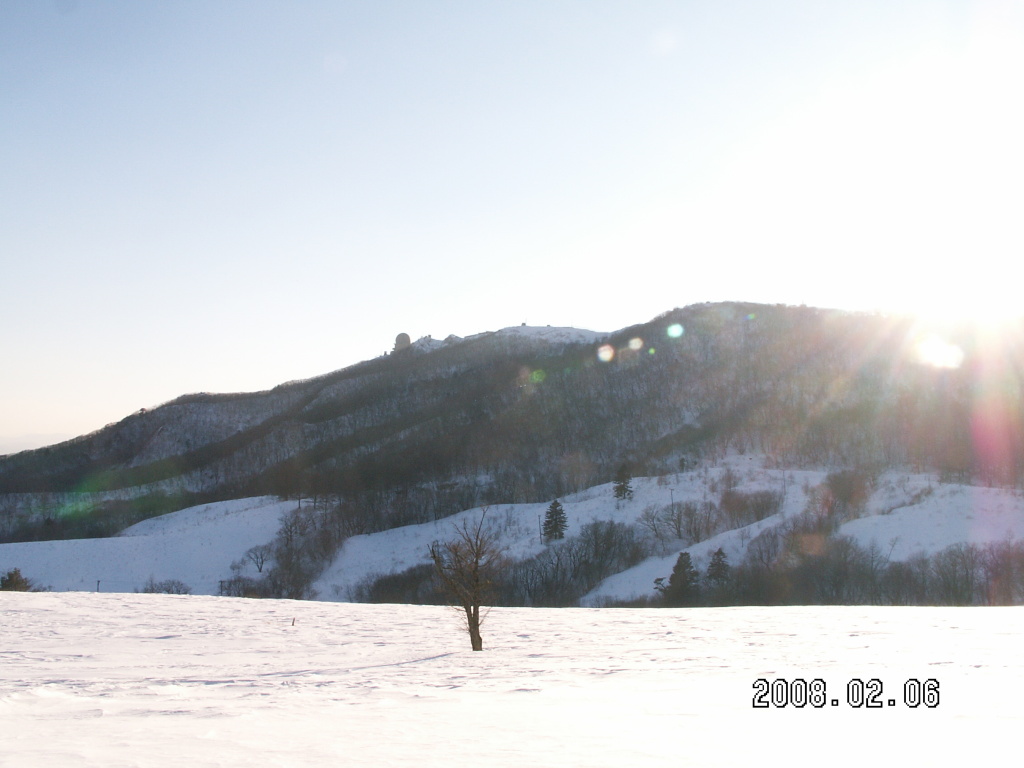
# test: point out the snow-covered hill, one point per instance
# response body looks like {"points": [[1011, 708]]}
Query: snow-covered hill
{"points": [[199, 442], [195, 546], [905, 515], [165, 681]]}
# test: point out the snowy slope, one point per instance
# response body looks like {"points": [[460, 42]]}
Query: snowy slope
{"points": [[164, 681], [518, 524], [195, 546], [553, 335], [949, 515], [906, 514]]}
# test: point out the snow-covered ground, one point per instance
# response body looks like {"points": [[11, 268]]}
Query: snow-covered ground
{"points": [[950, 515], [906, 514], [195, 546], [157, 680], [554, 335]]}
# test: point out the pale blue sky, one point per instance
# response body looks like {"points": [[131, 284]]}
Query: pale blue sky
{"points": [[222, 196]]}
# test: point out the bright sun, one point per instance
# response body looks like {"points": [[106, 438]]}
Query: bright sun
{"points": [[898, 190]]}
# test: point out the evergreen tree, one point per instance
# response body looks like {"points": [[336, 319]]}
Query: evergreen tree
{"points": [[718, 568], [13, 581], [555, 522], [717, 578], [683, 586], [623, 490]]}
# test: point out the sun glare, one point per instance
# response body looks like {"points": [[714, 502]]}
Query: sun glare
{"points": [[931, 349], [991, 313], [896, 189]]}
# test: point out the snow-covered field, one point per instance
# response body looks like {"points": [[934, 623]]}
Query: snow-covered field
{"points": [[157, 680], [129, 679]]}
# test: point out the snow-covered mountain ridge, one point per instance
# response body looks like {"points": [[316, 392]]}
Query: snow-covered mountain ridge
{"points": [[559, 335]]}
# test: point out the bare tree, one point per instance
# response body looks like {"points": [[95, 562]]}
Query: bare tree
{"points": [[957, 571], [468, 566], [258, 556], [692, 521], [651, 520]]}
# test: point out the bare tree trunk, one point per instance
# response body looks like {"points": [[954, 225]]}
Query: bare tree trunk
{"points": [[473, 623]]}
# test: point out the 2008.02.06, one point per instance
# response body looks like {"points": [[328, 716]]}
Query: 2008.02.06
{"points": [[800, 693]]}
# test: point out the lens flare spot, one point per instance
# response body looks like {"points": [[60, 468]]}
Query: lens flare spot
{"points": [[636, 344], [650, 351], [606, 353], [937, 352], [538, 376], [674, 331]]}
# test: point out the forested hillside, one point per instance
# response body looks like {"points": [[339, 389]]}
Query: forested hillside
{"points": [[518, 416]]}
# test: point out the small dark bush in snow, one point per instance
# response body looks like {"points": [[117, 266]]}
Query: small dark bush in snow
{"points": [[167, 587]]}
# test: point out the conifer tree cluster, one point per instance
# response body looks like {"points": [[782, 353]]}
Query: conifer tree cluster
{"points": [[686, 586]]}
